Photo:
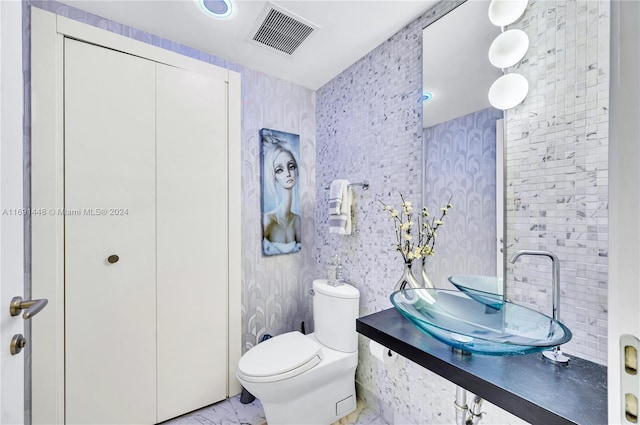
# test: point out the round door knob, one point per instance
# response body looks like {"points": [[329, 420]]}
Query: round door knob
{"points": [[113, 259]]}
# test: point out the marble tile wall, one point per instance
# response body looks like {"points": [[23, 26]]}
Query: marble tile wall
{"points": [[557, 168], [369, 127]]}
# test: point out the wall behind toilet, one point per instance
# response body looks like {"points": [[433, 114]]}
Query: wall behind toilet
{"points": [[275, 298], [369, 127]]}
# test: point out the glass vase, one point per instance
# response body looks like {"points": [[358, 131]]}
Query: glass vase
{"points": [[426, 280], [408, 280]]}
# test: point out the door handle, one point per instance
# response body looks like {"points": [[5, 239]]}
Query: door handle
{"points": [[32, 307]]}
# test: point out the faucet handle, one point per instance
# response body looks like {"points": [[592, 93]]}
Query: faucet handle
{"points": [[556, 355]]}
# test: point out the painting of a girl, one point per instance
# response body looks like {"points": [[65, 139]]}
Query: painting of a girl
{"points": [[281, 222]]}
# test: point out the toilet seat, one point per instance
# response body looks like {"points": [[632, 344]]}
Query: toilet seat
{"points": [[280, 357]]}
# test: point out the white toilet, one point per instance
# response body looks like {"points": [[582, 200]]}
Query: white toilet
{"points": [[309, 379]]}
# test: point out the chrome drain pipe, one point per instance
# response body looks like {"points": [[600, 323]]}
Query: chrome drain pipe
{"points": [[461, 406], [464, 414], [475, 414]]}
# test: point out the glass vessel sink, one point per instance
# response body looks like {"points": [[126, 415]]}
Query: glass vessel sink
{"points": [[486, 326], [477, 286]]}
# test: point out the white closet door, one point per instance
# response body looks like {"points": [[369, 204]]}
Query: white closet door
{"points": [[110, 308], [192, 240]]}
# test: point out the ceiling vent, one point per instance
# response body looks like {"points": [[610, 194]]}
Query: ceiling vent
{"points": [[281, 30]]}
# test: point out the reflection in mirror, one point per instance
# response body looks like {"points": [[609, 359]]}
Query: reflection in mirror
{"points": [[459, 143]]}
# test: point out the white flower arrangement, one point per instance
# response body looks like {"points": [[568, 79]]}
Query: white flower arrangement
{"points": [[427, 227]]}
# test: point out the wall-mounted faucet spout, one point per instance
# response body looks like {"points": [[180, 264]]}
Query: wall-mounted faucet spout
{"points": [[555, 354], [555, 282]]}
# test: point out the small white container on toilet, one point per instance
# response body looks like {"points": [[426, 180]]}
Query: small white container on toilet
{"points": [[309, 379]]}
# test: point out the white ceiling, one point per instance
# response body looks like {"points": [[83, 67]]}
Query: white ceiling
{"points": [[348, 31]]}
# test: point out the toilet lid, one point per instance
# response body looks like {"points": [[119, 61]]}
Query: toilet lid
{"points": [[280, 357]]}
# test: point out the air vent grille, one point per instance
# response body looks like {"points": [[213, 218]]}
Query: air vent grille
{"points": [[282, 32]]}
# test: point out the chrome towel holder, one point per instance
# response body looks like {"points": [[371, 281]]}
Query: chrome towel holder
{"points": [[364, 184]]}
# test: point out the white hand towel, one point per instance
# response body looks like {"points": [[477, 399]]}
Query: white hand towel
{"points": [[341, 223], [337, 192]]}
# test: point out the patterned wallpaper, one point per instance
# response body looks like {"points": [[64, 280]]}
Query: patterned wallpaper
{"points": [[369, 127], [275, 295], [460, 162]]}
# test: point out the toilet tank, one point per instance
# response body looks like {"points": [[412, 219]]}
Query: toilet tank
{"points": [[335, 310]]}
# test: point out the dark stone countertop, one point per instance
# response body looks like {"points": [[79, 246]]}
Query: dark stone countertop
{"points": [[528, 386]]}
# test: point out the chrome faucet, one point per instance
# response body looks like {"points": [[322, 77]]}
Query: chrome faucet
{"points": [[555, 354]]}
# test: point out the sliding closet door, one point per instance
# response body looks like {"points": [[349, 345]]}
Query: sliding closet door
{"points": [[192, 240], [110, 302]]}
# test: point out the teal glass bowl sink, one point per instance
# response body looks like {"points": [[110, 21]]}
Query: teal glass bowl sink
{"points": [[489, 326], [478, 286]]}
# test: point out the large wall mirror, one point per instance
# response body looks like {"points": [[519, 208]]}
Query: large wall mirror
{"points": [[462, 146]]}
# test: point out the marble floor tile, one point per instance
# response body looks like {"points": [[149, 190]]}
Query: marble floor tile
{"points": [[232, 412], [227, 412], [248, 414]]}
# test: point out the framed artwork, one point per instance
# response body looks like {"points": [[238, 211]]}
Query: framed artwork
{"points": [[281, 223]]}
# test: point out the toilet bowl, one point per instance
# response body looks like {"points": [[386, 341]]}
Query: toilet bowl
{"points": [[308, 379]]}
